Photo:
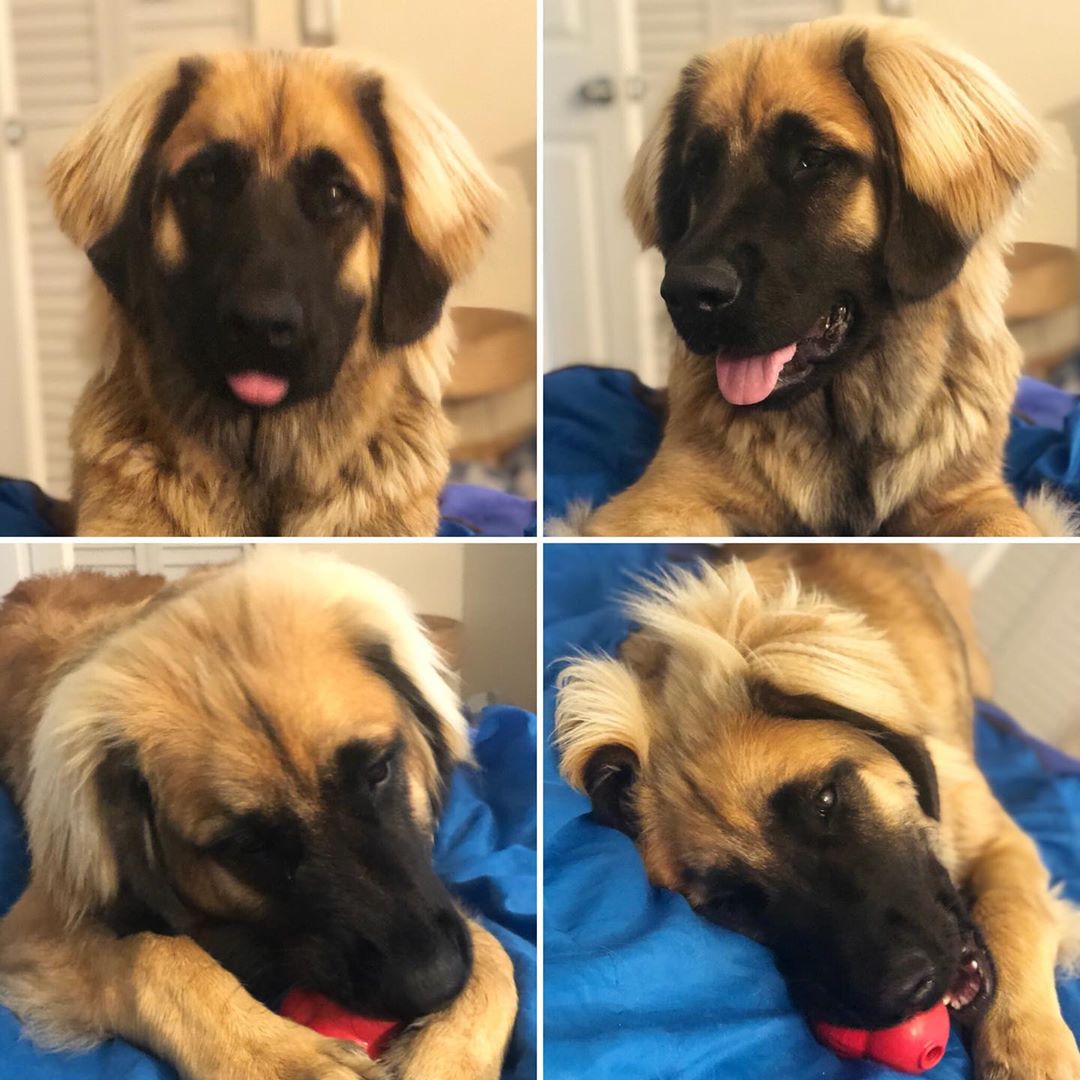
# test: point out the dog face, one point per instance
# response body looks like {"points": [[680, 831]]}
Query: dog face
{"points": [[262, 755], [803, 823], [268, 215], [802, 187]]}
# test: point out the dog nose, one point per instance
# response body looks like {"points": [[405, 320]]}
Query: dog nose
{"points": [[267, 318], [911, 983], [431, 984], [701, 287]]}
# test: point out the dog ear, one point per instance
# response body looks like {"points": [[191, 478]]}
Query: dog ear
{"points": [[657, 194], [102, 182], [440, 207], [610, 777], [601, 729], [955, 146], [909, 750], [380, 658], [145, 899]]}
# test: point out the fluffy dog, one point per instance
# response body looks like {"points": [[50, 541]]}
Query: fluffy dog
{"points": [[832, 206], [230, 786], [276, 235], [788, 741]]}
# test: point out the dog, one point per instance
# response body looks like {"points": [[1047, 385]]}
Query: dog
{"points": [[230, 786], [833, 205], [273, 237], [787, 736]]}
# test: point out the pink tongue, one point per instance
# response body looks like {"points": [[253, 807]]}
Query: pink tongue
{"points": [[258, 388], [750, 379]]}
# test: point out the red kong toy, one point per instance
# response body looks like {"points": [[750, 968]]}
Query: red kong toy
{"points": [[330, 1019], [912, 1047]]}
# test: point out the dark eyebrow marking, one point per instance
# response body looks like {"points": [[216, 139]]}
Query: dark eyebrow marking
{"points": [[381, 660], [259, 720]]}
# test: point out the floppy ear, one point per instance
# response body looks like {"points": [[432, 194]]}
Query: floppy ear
{"points": [[657, 194], [145, 900], [601, 729], [955, 145], [102, 182], [909, 750], [440, 207]]}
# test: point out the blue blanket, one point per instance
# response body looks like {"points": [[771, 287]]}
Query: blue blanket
{"points": [[465, 510], [485, 851], [601, 428], [636, 984]]}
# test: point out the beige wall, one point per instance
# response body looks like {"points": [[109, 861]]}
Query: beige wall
{"points": [[1034, 45], [499, 651], [477, 58]]}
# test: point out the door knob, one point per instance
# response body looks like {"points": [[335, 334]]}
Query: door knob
{"points": [[598, 91]]}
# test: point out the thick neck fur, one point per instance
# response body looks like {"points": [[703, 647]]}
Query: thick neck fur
{"points": [[381, 432], [942, 373]]}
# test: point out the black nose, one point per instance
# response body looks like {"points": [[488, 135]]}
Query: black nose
{"points": [[433, 972], [266, 318], [911, 983], [700, 287]]}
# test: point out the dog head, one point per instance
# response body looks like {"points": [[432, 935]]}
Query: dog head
{"points": [[257, 761], [760, 751], [257, 215], [801, 187]]}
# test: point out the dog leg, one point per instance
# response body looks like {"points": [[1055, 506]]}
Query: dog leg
{"points": [[468, 1040], [985, 509], [74, 986], [1023, 1035], [670, 499]]}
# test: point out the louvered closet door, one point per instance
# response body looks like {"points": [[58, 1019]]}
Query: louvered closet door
{"points": [[68, 54]]}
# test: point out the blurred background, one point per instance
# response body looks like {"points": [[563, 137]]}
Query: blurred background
{"points": [[479, 600], [1026, 600], [58, 58], [608, 66]]}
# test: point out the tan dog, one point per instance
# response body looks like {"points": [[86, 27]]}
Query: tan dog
{"points": [[230, 786], [275, 236], [832, 205], [789, 742]]}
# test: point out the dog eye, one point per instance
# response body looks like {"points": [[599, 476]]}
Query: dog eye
{"points": [[825, 800], [379, 773], [337, 198], [813, 158], [205, 178]]}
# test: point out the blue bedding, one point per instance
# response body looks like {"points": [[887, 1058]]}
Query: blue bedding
{"points": [[601, 429], [485, 851], [465, 510], [637, 985]]}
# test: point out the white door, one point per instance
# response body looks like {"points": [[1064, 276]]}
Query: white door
{"points": [[592, 124], [601, 295], [58, 58]]}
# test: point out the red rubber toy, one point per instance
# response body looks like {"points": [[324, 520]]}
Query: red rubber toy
{"points": [[912, 1047], [328, 1018]]}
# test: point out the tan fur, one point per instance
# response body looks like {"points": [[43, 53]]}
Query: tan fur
{"points": [[370, 457], [89, 661], [916, 433], [885, 630]]}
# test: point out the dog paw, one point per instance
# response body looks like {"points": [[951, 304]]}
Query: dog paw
{"points": [[306, 1055], [1018, 1047]]}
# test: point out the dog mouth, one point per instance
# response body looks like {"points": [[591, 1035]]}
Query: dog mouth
{"points": [[258, 389], [749, 380], [972, 986]]}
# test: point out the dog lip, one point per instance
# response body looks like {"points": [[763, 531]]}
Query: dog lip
{"points": [[973, 984]]}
